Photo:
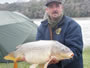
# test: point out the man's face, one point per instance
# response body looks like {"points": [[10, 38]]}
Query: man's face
{"points": [[54, 10]]}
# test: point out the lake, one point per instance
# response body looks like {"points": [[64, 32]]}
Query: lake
{"points": [[85, 25]]}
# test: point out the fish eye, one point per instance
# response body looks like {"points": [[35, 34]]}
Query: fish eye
{"points": [[64, 50]]}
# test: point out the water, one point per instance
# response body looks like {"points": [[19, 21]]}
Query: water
{"points": [[85, 25]]}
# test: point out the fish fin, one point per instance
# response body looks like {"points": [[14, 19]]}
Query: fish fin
{"points": [[15, 65], [47, 63], [33, 66], [10, 56], [44, 65], [41, 65]]}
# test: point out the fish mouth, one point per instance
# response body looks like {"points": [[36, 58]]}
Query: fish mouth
{"points": [[71, 55]]}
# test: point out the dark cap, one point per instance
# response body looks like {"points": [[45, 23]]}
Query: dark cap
{"points": [[51, 1]]}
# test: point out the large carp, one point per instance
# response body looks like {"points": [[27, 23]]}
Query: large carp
{"points": [[40, 53]]}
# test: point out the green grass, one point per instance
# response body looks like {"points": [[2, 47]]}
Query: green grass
{"points": [[86, 59], [10, 65]]}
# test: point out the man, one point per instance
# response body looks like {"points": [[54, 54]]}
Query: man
{"points": [[62, 28]]}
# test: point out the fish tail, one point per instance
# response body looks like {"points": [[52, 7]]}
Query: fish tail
{"points": [[10, 56]]}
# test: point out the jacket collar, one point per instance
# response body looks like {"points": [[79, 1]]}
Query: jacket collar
{"points": [[45, 22]]}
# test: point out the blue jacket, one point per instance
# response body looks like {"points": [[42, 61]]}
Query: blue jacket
{"points": [[70, 35]]}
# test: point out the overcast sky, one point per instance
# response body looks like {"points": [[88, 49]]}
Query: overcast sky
{"points": [[11, 1]]}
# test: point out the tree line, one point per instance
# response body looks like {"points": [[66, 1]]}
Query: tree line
{"points": [[36, 8]]}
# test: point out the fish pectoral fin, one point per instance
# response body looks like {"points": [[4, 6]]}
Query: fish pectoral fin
{"points": [[41, 66], [33, 66], [47, 63]]}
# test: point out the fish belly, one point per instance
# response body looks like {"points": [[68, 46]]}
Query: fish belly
{"points": [[37, 56]]}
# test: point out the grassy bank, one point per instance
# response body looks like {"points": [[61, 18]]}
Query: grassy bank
{"points": [[86, 57], [10, 65]]}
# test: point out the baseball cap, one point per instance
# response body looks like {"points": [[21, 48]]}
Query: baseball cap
{"points": [[51, 1]]}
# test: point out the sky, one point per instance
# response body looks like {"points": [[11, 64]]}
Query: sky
{"points": [[11, 1]]}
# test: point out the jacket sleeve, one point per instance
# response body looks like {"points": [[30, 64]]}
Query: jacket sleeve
{"points": [[73, 39], [39, 35]]}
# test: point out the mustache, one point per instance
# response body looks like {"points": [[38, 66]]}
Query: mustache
{"points": [[55, 12]]}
